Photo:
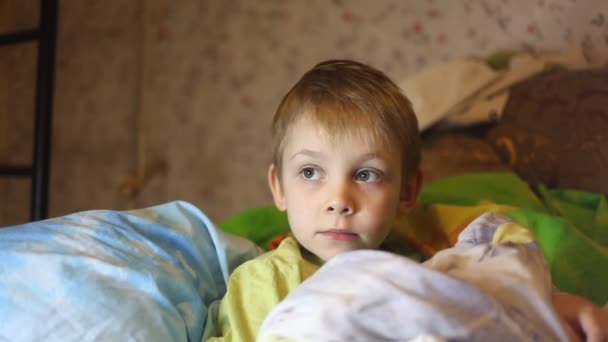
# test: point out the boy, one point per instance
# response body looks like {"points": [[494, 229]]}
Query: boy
{"points": [[345, 164]]}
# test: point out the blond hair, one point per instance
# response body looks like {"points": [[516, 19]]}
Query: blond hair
{"points": [[348, 98]]}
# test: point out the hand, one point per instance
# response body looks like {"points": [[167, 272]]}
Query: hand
{"points": [[582, 319]]}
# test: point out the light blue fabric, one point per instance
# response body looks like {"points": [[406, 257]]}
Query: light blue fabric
{"points": [[145, 275]]}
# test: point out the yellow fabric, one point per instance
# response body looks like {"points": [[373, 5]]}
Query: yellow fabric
{"points": [[512, 232], [431, 228], [256, 286]]}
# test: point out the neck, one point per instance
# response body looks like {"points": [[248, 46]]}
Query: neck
{"points": [[311, 257]]}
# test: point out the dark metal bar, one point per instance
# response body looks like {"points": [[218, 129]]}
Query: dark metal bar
{"points": [[44, 109], [15, 170], [18, 37]]}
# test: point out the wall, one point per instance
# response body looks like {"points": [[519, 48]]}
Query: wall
{"points": [[159, 100], [17, 77]]}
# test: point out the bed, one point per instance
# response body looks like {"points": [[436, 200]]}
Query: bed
{"points": [[156, 274]]}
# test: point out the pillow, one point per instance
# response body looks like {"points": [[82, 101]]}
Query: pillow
{"points": [[449, 153], [553, 130], [146, 275]]}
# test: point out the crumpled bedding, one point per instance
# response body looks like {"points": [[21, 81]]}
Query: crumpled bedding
{"points": [[571, 226], [468, 91], [493, 285], [144, 275], [157, 274]]}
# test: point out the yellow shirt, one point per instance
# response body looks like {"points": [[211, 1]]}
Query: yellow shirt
{"points": [[256, 286]]}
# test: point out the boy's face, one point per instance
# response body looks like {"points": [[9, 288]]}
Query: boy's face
{"points": [[340, 194]]}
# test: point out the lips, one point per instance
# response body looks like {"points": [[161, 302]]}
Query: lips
{"points": [[339, 234]]}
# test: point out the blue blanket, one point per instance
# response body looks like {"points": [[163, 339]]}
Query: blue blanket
{"points": [[146, 275]]}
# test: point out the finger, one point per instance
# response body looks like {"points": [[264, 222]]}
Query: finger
{"points": [[591, 326], [572, 335]]}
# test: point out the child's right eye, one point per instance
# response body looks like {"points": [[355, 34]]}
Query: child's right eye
{"points": [[310, 173]]}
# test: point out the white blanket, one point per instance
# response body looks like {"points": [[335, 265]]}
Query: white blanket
{"points": [[477, 291]]}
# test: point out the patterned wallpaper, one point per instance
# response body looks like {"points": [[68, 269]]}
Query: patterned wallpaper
{"points": [[159, 100]]}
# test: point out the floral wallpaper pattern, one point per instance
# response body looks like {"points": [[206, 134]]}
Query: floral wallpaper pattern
{"points": [[159, 100]]}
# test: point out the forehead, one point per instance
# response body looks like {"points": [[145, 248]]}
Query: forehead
{"points": [[307, 133]]}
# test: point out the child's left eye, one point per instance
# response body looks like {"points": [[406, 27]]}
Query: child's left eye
{"points": [[367, 176]]}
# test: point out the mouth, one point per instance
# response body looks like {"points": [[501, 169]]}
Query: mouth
{"points": [[339, 234]]}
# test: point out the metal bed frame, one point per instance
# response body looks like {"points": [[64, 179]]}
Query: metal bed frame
{"points": [[38, 171]]}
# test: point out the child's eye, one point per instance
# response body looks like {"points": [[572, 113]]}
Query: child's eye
{"points": [[367, 176], [310, 173]]}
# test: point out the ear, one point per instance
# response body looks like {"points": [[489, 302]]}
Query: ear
{"points": [[274, 182], [410, 191]]}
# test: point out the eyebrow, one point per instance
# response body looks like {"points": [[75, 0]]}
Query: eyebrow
{"points": [[316, 154], [372, 155], [308, 153]]}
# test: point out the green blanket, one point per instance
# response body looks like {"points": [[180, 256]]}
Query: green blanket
{"points": [[570, 226]]}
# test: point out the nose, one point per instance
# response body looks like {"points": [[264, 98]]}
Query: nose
{"points": [[341, 202], [340, 208]]}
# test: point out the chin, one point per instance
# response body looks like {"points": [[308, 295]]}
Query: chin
{"points": [[328, 256]]}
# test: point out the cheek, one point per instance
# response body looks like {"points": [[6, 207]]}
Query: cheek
{"points": [[299, 202], [384, 205], [381, 194]]}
